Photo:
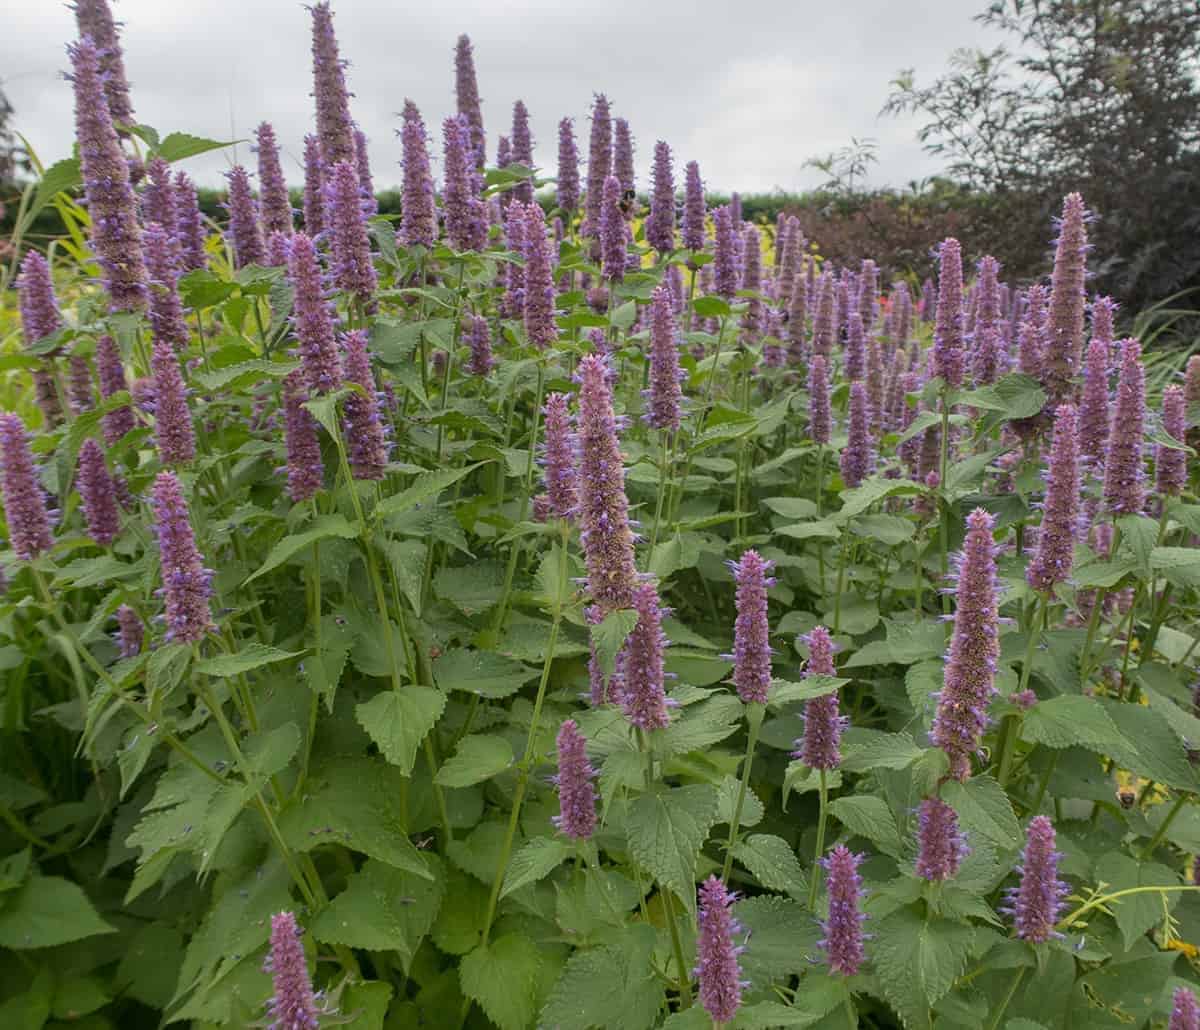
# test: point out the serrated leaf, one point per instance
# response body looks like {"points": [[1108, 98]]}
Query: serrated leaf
{"points": [[784, 692], [253, 656], [772, 861], [864, 749], [322, 528], [503, 976], [537, 858], [398, 720], [1137, 913], [47, 911], [869, 817], [179, 145], [1070, 721], [611, 987], [918, 960], [609, 637], [483, 673], [783, 936], [666, 829], [426, 486], [478, 757], [699, 726], [983, 806], [871, 492]]}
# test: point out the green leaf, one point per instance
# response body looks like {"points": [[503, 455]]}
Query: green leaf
{"points": [[470, 588], [354, 802], [1103, 573], [478, 757], [783, 935], [791, 507], [321, 528], [710, 307], [79, 996], [983, 806], [537, 859], [383, 909], [398, 720], [14, 868], [890, 530], [483, 673], [864, 749], [869, 817], [1137, 913], [785, 692], [906, 644], [503, 977], [426, 486], [700, 726], [871, 492], [772, 861], [666, 829], [48, 911], [179, 145], [609, 637], [60, 177], [823, 530], [612, 987], [245, 373], [918, 960], [253, 656], [1069, 721]]}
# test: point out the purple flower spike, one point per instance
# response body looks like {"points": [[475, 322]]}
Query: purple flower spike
{"points": [[1060, 516], [466, 223], [622, 166], [576, 793], [716, 954], [362, 170], [612, 231], [312, 318], [798, 316], [726, 277], [466, 93], [111, 374], [603, 507], [314, 178], [754, 320], [751, 630], [1035, 904], [819, 416], [187, 585], [1093, 405], [189, 223], [643, 693], [941, 846], [418, 224], [276, 205], [660, 226], [99, 495], [857, 459], [79, 385], [948, 328], [110, 199], [1171, 464], [350, 249], [335, 130], [24, 500], [366, 443], [305, 471], [130, 632], [856, 348], [599, 165], [158, 198], [245, 234], [568, 168], [820, 747], [39, 308], [166, 307], [522, 150], [1185, 1015], [693, 208], [479, 339], [843, 941], [292, 1005], [1124, 471], [970, 673], [95, 21], [1064, 321], [825, 320], [540, 324], [664, 397], [173, 433], [558, 457]]}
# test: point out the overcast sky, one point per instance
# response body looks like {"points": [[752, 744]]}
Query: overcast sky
{"points": [[749, 89]]}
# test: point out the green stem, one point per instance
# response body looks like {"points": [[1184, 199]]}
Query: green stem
{"points": [[851, 1014], [1045, 782], [754, 717], [684, 981], [944, 507], [1012, 989], [1008, 732], [815, 876], [1148, 850]]}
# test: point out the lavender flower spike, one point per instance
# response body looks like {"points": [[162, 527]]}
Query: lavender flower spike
{"points": [[819, 415], [98, 493], [79, 385], [599, 165], [292, 1005], [660, 226], [1093, 405], [1056, 540], [857, 459], [466, 92], [1036, 903], [1171, 464], [824, 320], [173, 433], [166, 307], [24, 501], [623, 155], [335, 129], [576, 793], [751, 630], [716, 955], [189, 224], [693, 208], [843, 941], [603, 507], [948, 327], [39, 308], [314, 177], [365, 440], [664, 397], [312, 318], [522, 150], [418, 224], [558, 457], [479, 338], [754, 320], [350, 247], [276, 204], [460, 200], [941, 846], [643, 695], [158, 198], [970, 673], [305, 471], [1064, 320], [111, 373], [1185, 1015], [95, 21], [130, 632], [187, 585], [249, 247], [362, 170], [110, 199], [568, 168], [726, 278], [612, 231], [1124, 471], [820, 747], [540, 324]]}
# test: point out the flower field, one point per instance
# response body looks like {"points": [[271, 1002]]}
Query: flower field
{"points": [[548, 608]]}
